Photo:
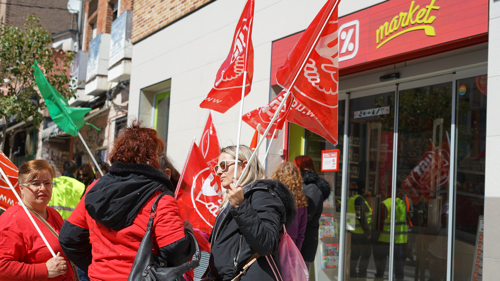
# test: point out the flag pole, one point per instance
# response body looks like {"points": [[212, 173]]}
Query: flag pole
{"points": [[243, 97], [269, 147], [90, 153], [275, 116], [28, 213]]}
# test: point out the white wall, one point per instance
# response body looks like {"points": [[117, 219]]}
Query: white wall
{"points": [[491, 260], [191, 51]]}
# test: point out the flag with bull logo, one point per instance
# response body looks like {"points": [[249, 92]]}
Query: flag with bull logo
{"points": [[227, 88], [209, 143], [7, 197], [293, 112], [430, 173], [199, 192], [316, 86]]}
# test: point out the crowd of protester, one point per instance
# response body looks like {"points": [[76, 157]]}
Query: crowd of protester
{"points": [[95, 224]]}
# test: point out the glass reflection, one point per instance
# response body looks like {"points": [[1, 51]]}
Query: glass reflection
{"points": [[422, 183]]}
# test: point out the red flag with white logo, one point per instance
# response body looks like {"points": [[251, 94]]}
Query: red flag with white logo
{"points": [[262, 116], [199, 192], [429, 174], [227, 88], [209, 143], [316, 86], [294, 112], [7, 197]]}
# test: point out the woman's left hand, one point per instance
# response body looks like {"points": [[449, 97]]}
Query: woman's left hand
{"points": [[235, 194]]}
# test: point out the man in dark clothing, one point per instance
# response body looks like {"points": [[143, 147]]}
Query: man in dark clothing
{"points": [[69, 168], [361, 248]]}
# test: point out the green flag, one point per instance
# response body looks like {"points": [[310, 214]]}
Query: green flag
{"points": [[69, 119]]}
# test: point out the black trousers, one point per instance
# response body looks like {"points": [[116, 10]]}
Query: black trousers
{"points": [[361, 250]]}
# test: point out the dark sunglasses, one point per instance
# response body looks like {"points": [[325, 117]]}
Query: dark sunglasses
{"points": [[223, 165]]}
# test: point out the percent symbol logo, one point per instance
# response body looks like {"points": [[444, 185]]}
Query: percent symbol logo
{"points": [[349, 40]]}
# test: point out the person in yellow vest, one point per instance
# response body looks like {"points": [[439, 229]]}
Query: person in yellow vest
{"points": [[67, 191], [400, 237], [361, 248]]}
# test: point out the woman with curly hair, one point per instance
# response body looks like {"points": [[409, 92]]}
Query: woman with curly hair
{"points": [[316, 190], [115, 210], [288, 174]]}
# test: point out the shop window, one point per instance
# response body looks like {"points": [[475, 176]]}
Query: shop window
{"points": [[161, 112], [471, 151], [423, 166]]}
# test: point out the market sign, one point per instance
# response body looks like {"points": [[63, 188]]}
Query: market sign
{"points": [[399, 29]]}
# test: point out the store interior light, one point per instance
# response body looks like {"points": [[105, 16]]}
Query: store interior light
{"points": [[389, 77]]}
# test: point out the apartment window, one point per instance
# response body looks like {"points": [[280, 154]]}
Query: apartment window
{"points": [[116, 9]]}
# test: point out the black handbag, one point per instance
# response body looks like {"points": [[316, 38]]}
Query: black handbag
{"points": [[148, 266]]}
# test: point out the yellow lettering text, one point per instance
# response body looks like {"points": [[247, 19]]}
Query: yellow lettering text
{"points": [[394, 24], [402, 17], [382, 30], [412, 11], [420, 15], [430, 7]]}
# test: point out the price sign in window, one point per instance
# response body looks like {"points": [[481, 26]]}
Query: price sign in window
{"points": [[330, 160]]}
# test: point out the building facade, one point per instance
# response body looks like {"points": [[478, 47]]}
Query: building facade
{"points": [[414, 123]]}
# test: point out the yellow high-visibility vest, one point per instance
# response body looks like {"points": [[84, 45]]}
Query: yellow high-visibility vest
{"points": [[65, 195], [351, 208], [401, 228]]}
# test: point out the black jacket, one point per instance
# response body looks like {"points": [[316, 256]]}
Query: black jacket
{"points": [[316, 190], [114, 201], [253, 227]]}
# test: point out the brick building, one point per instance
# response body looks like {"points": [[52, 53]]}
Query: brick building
{"points": [[53, 14]]}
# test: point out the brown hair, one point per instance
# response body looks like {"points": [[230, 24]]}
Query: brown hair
{"points": [[303, 163], [30, 170], [165, 163], [289, 175], [137, 145]]}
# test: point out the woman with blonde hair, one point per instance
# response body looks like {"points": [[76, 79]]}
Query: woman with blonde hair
{"points": [[289, 175], [250, 221], [23, 253]]}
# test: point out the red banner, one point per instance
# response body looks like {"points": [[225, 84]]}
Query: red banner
{"points": [[263, 116], [7, 197], [429, 174], [316, 86], [294, 112], [209, 143], [199, 192], [227, 88]]}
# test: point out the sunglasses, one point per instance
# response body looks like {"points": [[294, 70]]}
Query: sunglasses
{"points": [[224, 166]]}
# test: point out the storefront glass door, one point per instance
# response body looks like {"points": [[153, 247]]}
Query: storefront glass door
{"points": [[421, 217], [370, 131]]}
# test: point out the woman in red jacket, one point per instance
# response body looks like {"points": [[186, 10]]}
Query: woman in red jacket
{"points": [[114, 212], [23, 253]]}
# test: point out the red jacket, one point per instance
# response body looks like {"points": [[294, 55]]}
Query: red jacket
{"points": [[114, 250], [23, 253]]}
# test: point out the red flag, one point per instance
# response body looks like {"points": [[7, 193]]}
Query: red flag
{"points": [[199, 192], [209, 143], [263, 115], [7, 197], [316, 86], [429, 174], [229, 80], [255, 139], [294, 112]]}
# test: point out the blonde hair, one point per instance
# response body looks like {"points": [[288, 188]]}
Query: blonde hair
{"points": [[289, 175], [30, 170], [254, 172]]}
